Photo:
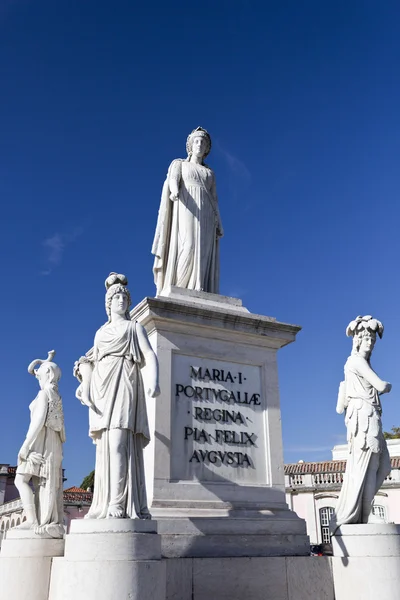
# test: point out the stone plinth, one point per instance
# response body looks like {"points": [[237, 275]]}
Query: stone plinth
{"points": [[366, 562], [262, 578], [214, 468], [25, 565], [110, 558]]}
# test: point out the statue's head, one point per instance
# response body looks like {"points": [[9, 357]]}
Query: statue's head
{"points": [[118, 298], [198, 143], [48, 372], [363, 330]]}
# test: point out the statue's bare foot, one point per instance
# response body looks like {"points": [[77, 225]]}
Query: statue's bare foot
{"points": [[115, 512]]}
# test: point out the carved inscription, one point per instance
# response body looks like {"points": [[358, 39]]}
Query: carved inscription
{"points": [[224, 418]]}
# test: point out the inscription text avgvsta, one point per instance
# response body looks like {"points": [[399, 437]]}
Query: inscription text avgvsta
{"points": [[205, 416]]}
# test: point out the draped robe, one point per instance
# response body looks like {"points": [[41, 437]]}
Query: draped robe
{"points": [[186, 242], [365, 439], [116, 389], [47, 477]]}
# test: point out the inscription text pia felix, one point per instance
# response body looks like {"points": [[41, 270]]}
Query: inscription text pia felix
{"points": [[211, 425]]}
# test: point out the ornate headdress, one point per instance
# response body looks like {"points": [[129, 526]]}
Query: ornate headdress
{"points": [[362, 326], [56, 371], [115, 283], [40, 361], [198, 132]]}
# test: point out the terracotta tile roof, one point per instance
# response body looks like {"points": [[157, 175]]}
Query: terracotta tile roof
{"points": [[75, 495], [329, 466]]}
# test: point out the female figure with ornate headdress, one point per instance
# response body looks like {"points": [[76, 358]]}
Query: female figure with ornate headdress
{"points": [[40, 457], [186, 242], [368, 461], [112, 387]]}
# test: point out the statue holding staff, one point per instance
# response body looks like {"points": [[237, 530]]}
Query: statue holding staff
{"points": [[186, 242]]}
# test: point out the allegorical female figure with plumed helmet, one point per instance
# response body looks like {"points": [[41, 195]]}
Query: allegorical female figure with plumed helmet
{"points": [[368, 461], [186, 242], [39, 472], [112, 387]]}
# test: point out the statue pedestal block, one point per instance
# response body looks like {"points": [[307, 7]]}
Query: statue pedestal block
{"points": [[25, 564], [110, 558], [366, 561], [214, 467]]}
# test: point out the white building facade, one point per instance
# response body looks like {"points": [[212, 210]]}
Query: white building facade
{"points": [[312, 491], [76, 502]]}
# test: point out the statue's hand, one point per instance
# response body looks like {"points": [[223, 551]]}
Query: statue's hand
{"points": [[388, 387], [154, 391], [174, 197], [86, 400], [23, 453]]}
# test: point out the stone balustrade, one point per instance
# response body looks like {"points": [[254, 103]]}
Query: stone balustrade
{"points": [[329, 480], [9, 507]]}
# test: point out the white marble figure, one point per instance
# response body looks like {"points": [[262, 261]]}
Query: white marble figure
{"points": [[186, 242], [112, 388], [40, 456], [368, 461]]}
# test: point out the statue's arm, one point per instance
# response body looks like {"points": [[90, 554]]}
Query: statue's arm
{"points": [[150, 360], [220, 229], [174, 179], [83, 369], [38, 419], [369, 374]]}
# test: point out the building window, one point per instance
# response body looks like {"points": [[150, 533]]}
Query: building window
{"points": [[379, 511], [325, 515]]}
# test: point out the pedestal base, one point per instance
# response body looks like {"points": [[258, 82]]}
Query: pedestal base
{"points": [[254, 535], [110, 558], [270, 578], [25, 565], [366, 562], [214, 465]]}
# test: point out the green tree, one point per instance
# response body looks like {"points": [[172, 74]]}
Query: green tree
{"points": [[394, 434], [88, 482]]}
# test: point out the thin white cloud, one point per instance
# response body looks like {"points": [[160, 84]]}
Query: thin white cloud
{"points": [[56, 245], [236, 166]]}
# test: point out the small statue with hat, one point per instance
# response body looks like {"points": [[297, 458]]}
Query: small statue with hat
{"points": [[39, 472]]}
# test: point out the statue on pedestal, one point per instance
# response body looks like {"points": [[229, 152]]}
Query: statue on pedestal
{"points": [[112, 387], [368, 462], [40, 456], [186, 242]]}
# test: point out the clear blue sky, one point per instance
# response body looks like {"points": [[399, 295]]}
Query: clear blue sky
{"points": [[302, 102]]}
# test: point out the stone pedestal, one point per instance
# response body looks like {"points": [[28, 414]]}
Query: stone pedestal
{"points": [[262, 578], [25, 565], [366, 562], [214, 467], [110, 558]]}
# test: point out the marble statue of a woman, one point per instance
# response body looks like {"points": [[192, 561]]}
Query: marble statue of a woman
{"points": [[368, 460], [39, 472], [186, 242], [112, 387]]}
